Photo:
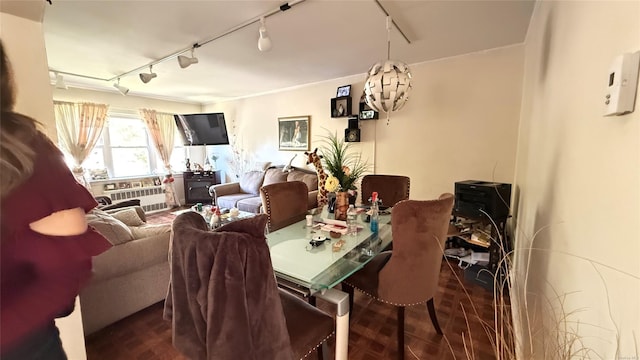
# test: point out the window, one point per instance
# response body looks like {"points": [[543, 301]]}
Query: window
{"points": [[125, 150]]}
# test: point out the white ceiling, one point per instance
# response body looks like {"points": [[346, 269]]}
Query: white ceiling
{"points": [[315, 40]]}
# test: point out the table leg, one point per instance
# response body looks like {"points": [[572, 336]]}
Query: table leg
{"points": [[341, 299]]}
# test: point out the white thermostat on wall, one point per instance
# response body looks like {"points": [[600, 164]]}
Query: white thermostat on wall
{"points": [[622, 84]]}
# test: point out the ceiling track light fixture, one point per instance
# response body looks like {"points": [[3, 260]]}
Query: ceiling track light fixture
{"points": [[123, 90], [146, 77], [388, 82], [264, 42], [185, 61], [60, 84]]}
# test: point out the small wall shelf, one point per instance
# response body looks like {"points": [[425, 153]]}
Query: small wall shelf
{"points": [[341, 106]]}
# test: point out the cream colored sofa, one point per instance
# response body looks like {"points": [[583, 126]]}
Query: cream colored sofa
{"points": [[130, 276], [245, 194]]}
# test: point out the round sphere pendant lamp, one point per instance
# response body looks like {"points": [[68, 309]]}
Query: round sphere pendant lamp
{"points": [[388, 83]]}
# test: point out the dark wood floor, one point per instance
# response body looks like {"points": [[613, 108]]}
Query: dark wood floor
{"points": [[145, 335]]}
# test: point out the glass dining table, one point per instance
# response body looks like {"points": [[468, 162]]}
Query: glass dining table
{"points": [[318, 269]]}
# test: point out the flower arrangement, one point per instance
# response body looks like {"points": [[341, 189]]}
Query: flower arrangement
{"points": [[344, 167]]}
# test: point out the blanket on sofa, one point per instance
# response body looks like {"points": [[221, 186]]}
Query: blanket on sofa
{"points": [[223, 299]]}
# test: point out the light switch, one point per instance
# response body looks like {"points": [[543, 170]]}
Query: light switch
{"points": [[622, 84]]}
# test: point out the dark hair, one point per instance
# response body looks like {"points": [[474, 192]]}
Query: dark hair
{"points": [[17, 132], [6, 78]]}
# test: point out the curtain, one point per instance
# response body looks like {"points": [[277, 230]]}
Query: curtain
{"points": [[79, 127], [162, 130]]}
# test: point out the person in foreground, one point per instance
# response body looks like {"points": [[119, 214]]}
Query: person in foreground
{"points": [[46, 245]]}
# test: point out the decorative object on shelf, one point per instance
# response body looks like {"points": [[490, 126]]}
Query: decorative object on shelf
{"points": [[345, 169], [344, 91], [187, 165], [110, 186], [341, 106], [294, 133], [388, 83]]}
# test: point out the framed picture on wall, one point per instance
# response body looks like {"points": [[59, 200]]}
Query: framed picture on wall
{"points": [[344, 91], [294, 133]]}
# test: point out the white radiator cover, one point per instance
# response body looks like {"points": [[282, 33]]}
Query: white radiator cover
{"points": [[151, 199]]}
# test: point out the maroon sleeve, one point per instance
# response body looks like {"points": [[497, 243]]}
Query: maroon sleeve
{"points": [[41, 274], [51, 188]]}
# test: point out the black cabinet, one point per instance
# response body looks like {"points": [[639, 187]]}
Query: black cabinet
{"points": [[196, 186], [480, 212]]}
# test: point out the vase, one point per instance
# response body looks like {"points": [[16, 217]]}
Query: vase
{"points": [[342, 205]]}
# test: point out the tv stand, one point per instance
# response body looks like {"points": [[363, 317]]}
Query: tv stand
{"points": [[197, 183]]}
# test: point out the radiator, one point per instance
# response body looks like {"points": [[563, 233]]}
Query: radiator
{"points": [[151, 199]]}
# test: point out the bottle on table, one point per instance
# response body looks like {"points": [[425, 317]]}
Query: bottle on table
{"points": [[374, 212], [352, 220]]}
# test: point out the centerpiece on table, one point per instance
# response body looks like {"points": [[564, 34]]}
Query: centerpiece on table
{"points": [[345, 168]]}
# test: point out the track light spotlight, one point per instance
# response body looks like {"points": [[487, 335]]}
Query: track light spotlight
{"points": [[60, 84], [147, 77], [264, 43], [123, 90], [185, 61]]}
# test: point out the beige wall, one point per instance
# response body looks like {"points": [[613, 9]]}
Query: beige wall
{"points": [[29, 61], [460, 122], [578, 177], [24, 43]]}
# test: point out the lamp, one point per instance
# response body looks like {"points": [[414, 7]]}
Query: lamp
{"points": [[388, 83], [123, 90], [264, 43], [60, 84], [147, 77], [185, 61]]}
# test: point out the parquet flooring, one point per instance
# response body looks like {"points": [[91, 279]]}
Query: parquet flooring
{"points": [[145, 335]]}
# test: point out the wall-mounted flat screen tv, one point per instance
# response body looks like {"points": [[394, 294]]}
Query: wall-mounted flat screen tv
{"points": [[202, 129]]}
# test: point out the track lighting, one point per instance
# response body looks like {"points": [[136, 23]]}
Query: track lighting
{"points": [[123, 90], [147, 77], [60, 84], [264, 43], [185, 61]]}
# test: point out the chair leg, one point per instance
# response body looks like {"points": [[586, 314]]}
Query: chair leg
{"points": [[401, 332], [432, 315], [349, 290]]}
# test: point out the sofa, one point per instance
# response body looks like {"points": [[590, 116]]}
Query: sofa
{"points": [[245, 194], [130, 276]]}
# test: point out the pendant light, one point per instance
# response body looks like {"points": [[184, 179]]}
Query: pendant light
{"points": [[388, 83]]}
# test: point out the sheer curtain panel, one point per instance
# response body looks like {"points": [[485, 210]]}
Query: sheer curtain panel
{"points": [[79, 127], [162, 130]]}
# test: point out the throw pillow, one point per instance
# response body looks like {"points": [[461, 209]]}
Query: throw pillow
{"points": [[311, 180], [129, 217], [274, 175], [111, 228], [251, 182]]}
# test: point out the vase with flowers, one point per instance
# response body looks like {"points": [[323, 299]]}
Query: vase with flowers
{"points": [[345, 168]]}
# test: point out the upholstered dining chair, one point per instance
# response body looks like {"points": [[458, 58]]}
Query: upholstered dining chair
{"points": [[408, 275], [390, 188], [284, 203], [223, 301]]}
